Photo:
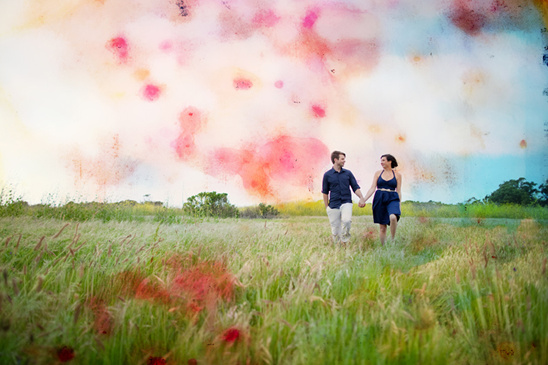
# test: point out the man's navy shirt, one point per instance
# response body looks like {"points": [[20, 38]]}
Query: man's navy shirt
{"points": [[338, 184]]}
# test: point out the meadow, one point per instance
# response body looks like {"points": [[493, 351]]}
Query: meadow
{"points": [[170, 289]]}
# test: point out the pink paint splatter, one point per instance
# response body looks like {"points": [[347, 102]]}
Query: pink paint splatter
{"points": [[242, 84], [318, 111], [289, 159], [279, 84], [265, 18], [120, 48], [166, 46], [190, 122], [310, 19], [151, 92]]}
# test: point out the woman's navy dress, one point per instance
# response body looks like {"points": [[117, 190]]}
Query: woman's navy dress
{"points": [[386, 202]]}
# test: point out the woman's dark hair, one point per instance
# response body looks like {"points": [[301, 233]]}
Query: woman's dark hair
{"points": [[392, 159]]}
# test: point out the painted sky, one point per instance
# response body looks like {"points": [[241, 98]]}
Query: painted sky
{"points": [[113, 100]]}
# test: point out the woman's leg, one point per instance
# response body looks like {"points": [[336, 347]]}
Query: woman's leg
{"points": [[382, 228], [393, 225]]}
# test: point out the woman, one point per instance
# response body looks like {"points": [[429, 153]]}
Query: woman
{"points": [[386, 203]]}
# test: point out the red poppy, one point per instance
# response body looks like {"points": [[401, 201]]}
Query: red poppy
{"points": [[231, 335], [65, 354], [156, 360]]}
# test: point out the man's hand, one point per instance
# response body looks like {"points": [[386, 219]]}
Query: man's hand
{"points": [[361, 204]]}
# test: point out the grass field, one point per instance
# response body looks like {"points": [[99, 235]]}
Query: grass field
{"points": [[237, 291]]}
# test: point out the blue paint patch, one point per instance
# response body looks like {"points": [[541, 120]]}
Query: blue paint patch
{"points": [[545, 59]]}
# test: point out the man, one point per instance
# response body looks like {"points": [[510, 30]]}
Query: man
{"points": [[338, 198]]}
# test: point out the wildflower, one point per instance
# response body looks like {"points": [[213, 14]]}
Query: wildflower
{"points": [[192, 362], [506, 350], [231, 335], [156, 360], [65, 354]]}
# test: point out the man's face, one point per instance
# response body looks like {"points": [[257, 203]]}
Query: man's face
{"points": [[340, 162]]}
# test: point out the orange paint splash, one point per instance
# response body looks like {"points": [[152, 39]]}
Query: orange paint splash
{"points": [[108, 168], [289, 159], [523, 143]]}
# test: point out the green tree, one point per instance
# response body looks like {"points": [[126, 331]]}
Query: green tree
{"points": [[520, 191], [543, 194], [267, 211], [210, 204]]}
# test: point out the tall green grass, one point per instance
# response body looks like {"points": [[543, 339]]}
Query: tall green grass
{"points": [[444, 293], [429, 209]]}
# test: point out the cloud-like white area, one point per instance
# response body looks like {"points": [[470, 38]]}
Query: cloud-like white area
{"points": [[101, 100]]}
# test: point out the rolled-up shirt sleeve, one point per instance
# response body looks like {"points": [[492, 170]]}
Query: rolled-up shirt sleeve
{"points": [[325, 184]]}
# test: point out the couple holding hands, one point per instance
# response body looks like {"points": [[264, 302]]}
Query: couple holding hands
{"points": [[338, 198]]}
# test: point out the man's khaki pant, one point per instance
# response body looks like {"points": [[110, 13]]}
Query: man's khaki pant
{"points": [[340, 220]]}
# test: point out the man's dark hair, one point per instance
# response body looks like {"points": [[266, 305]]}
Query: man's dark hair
{"points": [[392, 159], [336, 155]]}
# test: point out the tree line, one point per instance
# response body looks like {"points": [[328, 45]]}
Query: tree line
{"points": [[520, 192]]}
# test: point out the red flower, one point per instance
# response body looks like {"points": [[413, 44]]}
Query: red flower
{"points": [[231, 335], [156, 360], [65, 354]]}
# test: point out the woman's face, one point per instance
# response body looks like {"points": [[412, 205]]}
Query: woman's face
{"points": [[385, 163]]}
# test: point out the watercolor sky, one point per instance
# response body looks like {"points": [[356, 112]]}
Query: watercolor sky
{"points": [[160, 100]]}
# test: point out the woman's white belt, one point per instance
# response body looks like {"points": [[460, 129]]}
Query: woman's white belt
{"points": [[386, 189]]}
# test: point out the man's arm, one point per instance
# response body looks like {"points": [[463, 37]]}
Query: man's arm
{"points": [[356, 189], [325, 200]]}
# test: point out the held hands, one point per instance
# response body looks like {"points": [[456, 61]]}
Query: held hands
{"points": [[361, 204]]}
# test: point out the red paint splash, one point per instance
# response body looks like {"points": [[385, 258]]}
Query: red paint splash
{"points": [[265, 18], [523, 143], [151, 92], [318, 111], [469, 20], [231, 335], [156, 360], [150, 290], [286, 159], [190, 122], [194, 288], [103, 322], [310, 19], [65, 354], [242, 84], [204, 283], [119, 46]]}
